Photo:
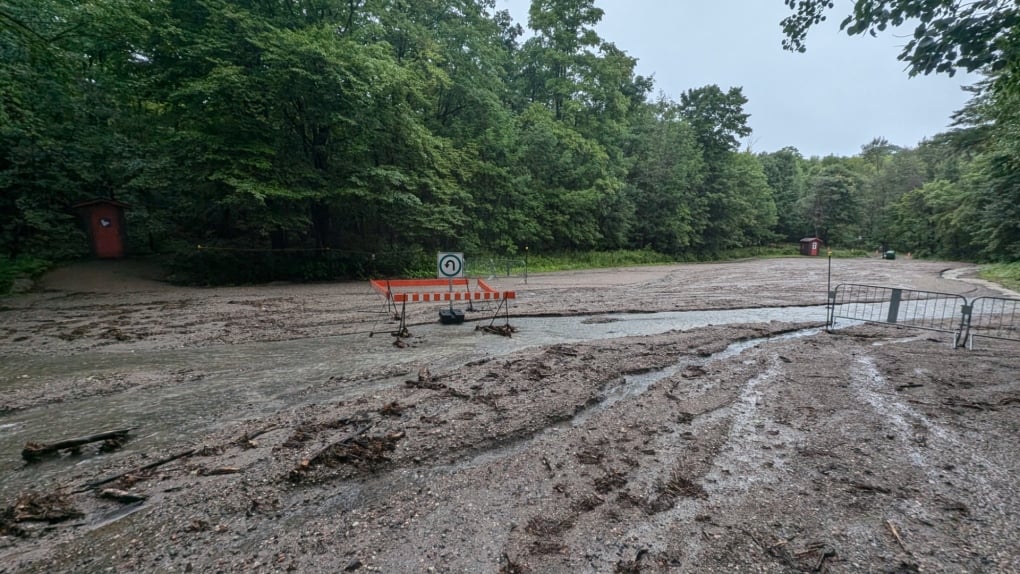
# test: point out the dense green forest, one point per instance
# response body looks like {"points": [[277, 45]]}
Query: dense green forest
{"points": [[356, 137]]}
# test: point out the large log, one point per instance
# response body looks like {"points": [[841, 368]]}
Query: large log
{"points": [[34, 451]]}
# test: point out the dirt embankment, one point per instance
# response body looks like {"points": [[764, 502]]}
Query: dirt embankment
{"points": [[870, 449]]}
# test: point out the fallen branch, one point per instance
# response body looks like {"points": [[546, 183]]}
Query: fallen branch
{"points": [[437, 387], [828, 554], [425, 385], [122, 496], [248, 440], [138, 470], [34, 452], [502, 330], [869, 487], [36, 507], [314, 459], [245, 441], [220, 471], [352, 449]]}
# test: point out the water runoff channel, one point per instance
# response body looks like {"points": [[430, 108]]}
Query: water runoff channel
{"points": [[231, 383]]}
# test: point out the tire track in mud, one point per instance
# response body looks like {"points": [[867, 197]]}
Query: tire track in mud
{"points": [[689, 460], [910, 426], [918, 434], [751, 457], [589, 457]]}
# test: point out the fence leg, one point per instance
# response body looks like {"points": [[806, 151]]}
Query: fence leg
{"points": [[894, 306], [830, 311], [402, 332], [966, 313], [504, 306]]}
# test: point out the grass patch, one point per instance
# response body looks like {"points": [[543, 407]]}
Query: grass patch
{"points": [[12, 269], [594, 260], [631, 258], [1005, 274]]}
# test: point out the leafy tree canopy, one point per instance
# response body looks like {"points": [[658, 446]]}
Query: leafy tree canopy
{"points": [[949, 35]]}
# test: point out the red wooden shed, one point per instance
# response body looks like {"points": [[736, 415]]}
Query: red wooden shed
{"points": [[104, 222], [811, 246]]}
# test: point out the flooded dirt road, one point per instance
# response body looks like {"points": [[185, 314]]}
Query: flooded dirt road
{"points": [[220, 384], [673, 419]]}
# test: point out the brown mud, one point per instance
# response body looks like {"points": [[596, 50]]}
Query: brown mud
{"points": [[870, 449]]}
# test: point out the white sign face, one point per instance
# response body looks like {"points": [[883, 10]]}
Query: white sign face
{"points": [[450, 265]]}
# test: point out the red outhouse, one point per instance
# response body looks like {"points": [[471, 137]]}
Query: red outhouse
{"points": [[811, 246], [103, 220]]}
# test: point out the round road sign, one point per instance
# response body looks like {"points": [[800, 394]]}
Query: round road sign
{"points": [[451, 265]]}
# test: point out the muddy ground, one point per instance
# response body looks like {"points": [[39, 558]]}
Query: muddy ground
{"points": [[871, 449]]}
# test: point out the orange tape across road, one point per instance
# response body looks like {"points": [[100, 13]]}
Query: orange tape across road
{"points": [[482, 292]]}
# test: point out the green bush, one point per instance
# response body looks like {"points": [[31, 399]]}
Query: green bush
{"points": [[221, 265], [594, 260], [11, 269], [1005, 274]]}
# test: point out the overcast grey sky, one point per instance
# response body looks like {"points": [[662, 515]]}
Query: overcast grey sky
{"points": [[831, 100]]}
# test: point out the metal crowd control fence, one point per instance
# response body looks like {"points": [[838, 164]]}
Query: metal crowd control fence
{"points": [[989, 317], [927, 310], [994, 318], [492, 267]]}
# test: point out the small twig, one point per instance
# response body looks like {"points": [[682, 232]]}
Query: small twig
{"points": [[220, 471], [896, 535], [911, 386], [825, 556], [869, 487], [246, 440]]}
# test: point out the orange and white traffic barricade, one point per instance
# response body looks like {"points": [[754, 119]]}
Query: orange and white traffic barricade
{"points": [[452, 290]]}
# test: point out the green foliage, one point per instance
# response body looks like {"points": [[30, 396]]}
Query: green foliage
{"points": [[718, 118], [1006, 274], [773, 251], [668, 167], [999, 197], [741, 210], [231, 265], [538, 263], [958, 195], [27, 267], [833, 204], [889, 172], [948, 34], [301, 138], [784, 173]]}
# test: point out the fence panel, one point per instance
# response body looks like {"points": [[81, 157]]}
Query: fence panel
{"points": [[994, 318], [495, 267], [927, 310]]}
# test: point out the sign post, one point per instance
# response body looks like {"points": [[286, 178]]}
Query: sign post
{"points": [[830, 307], [450, 266]]}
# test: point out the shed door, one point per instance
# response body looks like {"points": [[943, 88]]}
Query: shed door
{"points": [[106, 236]]}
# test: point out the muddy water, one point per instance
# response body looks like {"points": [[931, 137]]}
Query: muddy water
{"points": [[634, 385], [235, 382], [628, 386]]}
